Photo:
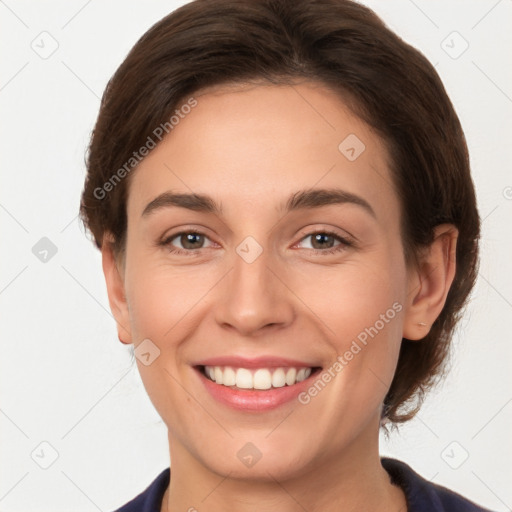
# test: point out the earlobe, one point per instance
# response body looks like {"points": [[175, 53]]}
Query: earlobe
{"points": [[430, 283], [116, 290]]}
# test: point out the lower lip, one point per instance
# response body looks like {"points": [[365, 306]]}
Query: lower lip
{"points": [[255, 400]]}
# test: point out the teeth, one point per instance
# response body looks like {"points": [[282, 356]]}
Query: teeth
{"points": [[278, 378], [261, 378], [291, 374], [301, 375], [243, 378], [229, 377]]}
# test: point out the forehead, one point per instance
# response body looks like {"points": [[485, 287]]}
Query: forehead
{"points": [[255, 144]]}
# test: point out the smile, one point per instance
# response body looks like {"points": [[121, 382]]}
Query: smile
{"points": [[256, 378], [254, 386]]}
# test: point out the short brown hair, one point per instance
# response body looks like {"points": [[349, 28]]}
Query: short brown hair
{"points": [[345, 46]]}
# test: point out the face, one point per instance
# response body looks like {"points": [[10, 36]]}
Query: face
{"points": [[301, 293]]}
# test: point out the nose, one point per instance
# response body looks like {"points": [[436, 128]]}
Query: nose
{"points": [[254, 297]]}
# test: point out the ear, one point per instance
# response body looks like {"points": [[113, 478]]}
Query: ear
{"points": [[430, 282], [114, 278]]}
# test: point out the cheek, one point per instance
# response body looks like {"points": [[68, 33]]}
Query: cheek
{"points": [[162, 298], [164, 306], [354, 296], [361, 308]]}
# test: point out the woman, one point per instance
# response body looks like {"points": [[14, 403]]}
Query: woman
{"points": [[235, 140]]}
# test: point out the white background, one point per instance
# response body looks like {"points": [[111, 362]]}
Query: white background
{"points": [[67, 380]]}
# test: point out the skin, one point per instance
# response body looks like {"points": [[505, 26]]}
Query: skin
{"points": [[250, 148]]}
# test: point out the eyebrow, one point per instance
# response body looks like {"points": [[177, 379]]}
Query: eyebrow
{"points": [[302, 199]]}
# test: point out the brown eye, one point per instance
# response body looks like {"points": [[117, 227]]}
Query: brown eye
{"points": [[191, 240], [185, 242], [324, 242]]}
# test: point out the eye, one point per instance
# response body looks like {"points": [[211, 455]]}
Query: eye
{"points": [[190, 241], [323, 242]]}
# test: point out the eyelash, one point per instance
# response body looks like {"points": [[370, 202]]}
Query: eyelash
{"points": [[193, 252]]}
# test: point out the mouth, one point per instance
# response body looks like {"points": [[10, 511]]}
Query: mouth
{"points": [[256, 378], [255, 389]]}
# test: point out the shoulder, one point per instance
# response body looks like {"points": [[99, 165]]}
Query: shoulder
{"points": [[149, 500], [425, 496]]}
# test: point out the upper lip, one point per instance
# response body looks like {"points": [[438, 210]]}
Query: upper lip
{"points": [[256, 362]]}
